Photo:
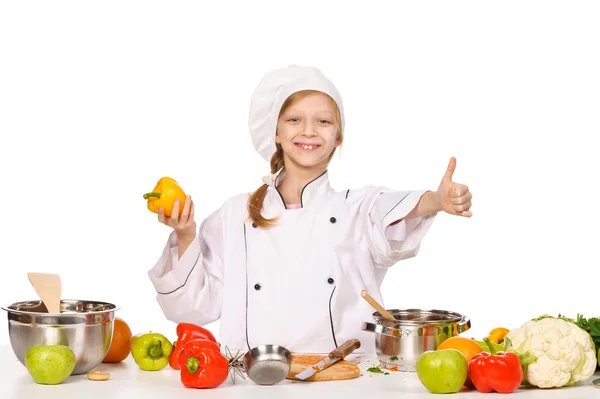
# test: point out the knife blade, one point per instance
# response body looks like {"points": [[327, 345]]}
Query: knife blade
{"points": [[334, 356]]}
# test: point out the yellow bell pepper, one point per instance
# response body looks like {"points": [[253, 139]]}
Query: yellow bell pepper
{"points": [[165, 193], [497, 335], [151, 351]]}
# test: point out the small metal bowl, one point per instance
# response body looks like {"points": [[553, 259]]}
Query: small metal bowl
{"points": [[267, 364], [84, 326]]}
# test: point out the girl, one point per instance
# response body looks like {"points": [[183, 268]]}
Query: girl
{"points": [[286, 264]]}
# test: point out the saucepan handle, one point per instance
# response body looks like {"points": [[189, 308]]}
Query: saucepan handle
{"points": [[464, 324], [379, 329]]}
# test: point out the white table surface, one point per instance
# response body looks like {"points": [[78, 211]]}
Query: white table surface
{"points": [[127, 380]]}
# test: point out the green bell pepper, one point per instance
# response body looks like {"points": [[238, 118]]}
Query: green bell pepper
{"points": [[151, 351], [485, 348]]}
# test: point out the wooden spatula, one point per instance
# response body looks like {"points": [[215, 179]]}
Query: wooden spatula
{"points": [[49, 288], [376, 305]]}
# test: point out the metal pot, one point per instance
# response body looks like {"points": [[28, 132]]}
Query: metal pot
{"points": [[399, 343], [84, 326]]}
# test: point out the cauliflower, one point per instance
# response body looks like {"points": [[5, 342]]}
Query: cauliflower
{"points": [[558, 352]]}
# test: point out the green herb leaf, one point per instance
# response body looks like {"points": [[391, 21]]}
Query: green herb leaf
{"points": [[592, 326], [377, 370]]}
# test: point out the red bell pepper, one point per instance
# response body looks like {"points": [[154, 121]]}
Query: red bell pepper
{"points": [[495, 371], [202, 364], [186, 332]]}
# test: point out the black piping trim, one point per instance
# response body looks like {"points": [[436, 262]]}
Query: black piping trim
{"points": [[275, 187], [394, 207], [186, 278], [331, 319], [280, 196], [347, 192], [246, 251], [302, 192]]}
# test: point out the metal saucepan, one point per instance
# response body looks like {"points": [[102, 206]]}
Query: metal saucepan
{"points": [[400, 342]]}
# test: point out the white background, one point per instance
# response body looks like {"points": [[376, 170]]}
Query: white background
{"points": [[100, 100]]}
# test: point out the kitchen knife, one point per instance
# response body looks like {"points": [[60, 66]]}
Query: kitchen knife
{"points": [[337, 354]]}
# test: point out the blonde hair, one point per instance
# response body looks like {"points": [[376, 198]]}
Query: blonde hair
{"points": [[256, 200]]}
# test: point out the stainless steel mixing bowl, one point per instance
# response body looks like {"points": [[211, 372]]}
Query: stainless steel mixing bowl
{"points": [[267, 364], [84, 326], [400, 342]]}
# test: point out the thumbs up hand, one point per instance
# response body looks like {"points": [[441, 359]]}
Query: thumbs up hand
{"points": [[454, 198]]}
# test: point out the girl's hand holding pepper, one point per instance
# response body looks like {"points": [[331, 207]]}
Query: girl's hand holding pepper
{"points": [[165, 200], [184, 225]]}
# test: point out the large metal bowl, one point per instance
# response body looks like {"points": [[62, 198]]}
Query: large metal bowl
{"points": [[400, 342], [84, 326]]}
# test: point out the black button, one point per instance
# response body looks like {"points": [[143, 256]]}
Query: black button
{"points": [[257, 287], [330, 280], [254, 225], [332, 220]]}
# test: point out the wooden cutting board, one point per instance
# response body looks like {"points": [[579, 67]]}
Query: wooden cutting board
{"points": [[341, 370]]}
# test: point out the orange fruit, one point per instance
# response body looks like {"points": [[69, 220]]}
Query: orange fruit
{"points": [[120, 346], [466, 346]]}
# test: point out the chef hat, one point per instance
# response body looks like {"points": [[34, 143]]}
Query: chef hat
{"points": [[272, 91]]}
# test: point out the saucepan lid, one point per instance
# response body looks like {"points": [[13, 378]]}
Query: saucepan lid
{"points": [[419, 317]]}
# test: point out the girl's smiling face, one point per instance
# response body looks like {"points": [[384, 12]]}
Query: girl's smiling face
{"points": [[307, 131]]}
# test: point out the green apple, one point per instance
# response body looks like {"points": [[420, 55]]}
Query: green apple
{"points": [[442, 371], [50, 364]]}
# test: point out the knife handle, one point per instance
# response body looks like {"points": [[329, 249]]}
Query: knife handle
{"points": [[345, 349]]}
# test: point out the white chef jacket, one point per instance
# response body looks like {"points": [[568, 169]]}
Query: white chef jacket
{"points": [[297, 284]]}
